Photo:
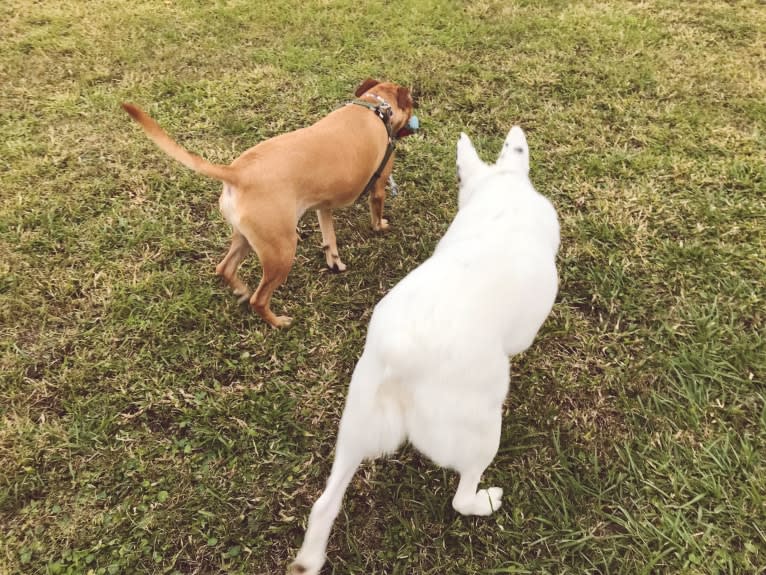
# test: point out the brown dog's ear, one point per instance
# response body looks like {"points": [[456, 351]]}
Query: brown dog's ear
{"points": [[403, 98], [364, 86]]}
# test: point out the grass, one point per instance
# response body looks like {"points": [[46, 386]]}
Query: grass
{"points": [[149, 424]]}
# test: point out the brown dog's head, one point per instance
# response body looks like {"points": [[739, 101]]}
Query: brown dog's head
{"points": [[398, 97]]}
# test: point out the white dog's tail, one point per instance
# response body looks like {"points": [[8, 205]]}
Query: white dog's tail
{"points": [[515, 153], [174, 150], [374, 404]]}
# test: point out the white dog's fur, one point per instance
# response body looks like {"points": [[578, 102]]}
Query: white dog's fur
{"points": [[435, 366]]}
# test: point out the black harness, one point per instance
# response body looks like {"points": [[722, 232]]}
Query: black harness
{"points": [[384, 112]]}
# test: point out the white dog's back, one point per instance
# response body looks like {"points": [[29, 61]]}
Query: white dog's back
{"points": [[435, 365]]}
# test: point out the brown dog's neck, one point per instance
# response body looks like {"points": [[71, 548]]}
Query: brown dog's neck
{"points": [[397, 117], [382, 110]]}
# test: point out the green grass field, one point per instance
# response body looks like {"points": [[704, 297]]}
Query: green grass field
{"points": [[148, 424]]}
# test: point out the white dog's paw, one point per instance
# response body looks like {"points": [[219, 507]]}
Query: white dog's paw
{"points": [[296, 568], [487, 501], [305, 565], [484, 502]]}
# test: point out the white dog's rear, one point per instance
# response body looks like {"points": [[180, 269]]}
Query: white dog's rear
{"points": [[435, 366]]}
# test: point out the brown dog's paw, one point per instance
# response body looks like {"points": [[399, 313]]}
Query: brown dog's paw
{"points": [[281, 321], [337, 267], [382, 226]]}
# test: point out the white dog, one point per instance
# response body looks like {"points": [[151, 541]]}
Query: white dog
{"points": [[435, 366]]}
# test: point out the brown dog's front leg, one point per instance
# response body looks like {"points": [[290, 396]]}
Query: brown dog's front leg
{"points": [[378, 198], [329, 243]]}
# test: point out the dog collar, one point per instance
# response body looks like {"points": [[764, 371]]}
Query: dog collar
{"points": [[382, 109], [384, 112]]}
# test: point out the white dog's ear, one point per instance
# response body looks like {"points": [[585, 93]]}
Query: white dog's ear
{"points": [[515, 153], [469, 164]]}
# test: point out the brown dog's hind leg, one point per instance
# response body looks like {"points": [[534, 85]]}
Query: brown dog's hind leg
{"points": [[229, 265], [276, 260], [329, 243]]}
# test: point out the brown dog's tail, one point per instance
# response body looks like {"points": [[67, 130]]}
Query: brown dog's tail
{"points": [[175, 151]]}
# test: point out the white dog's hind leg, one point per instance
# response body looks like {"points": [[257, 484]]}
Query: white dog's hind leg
{"points": [[371, 425], [312, 553]]}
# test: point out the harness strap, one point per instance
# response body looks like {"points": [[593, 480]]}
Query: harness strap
{"points": [[382, 111]]}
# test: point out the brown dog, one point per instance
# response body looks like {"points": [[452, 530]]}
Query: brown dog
{"points": [[269, 187]]}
